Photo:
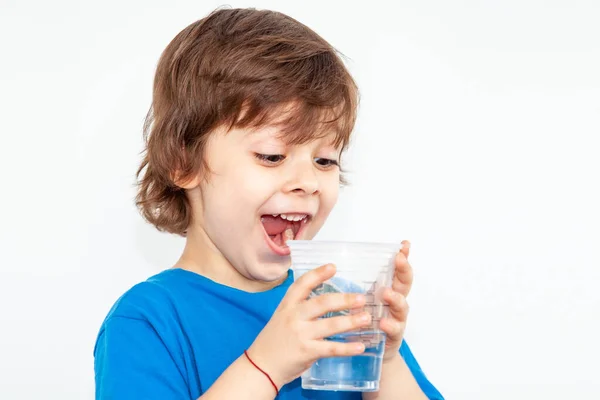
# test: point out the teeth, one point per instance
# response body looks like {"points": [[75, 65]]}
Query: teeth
{"points": [[288, 235], [293, 217]]}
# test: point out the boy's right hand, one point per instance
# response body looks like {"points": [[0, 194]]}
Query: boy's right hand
{"points": [[294, 337]]}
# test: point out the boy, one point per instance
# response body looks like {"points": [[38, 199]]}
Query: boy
{"points": [[251, 112]]}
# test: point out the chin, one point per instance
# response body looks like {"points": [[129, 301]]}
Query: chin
{"points": [[266, 266], [273, 271]]}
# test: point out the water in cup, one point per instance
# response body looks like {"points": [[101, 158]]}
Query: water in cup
{"points": [[365, 268]]}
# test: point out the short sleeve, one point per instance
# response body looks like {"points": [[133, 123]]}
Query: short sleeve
{"points": [[132, 362], [430, 391]]}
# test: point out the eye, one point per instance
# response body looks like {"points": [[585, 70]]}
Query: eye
{"points": [[326, 162], [270, 158]]}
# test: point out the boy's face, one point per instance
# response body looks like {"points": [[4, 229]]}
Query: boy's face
{"points": [[261, 192]]}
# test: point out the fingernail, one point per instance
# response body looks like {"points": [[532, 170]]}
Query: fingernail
{"points": [[359, 299], [365, 317]]}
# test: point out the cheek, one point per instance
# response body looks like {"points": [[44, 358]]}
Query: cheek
{"points": [[331, 190], [238, 194], [328, 198]]}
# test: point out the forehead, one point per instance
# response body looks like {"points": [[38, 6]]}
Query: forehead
{"points": [[278, 135], [297, 123]]}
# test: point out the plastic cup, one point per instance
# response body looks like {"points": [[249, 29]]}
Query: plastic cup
{"points": [[365, 268]]}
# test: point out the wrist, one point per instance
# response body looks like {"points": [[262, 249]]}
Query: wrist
{"points": [[396, 382], [266, 377], [392, 358], [241, 380]]}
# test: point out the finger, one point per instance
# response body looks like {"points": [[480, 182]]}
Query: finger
{"points": [[403, 271], [329, 348], [405, 248], [327, 327], [330, 302], [302, 287], [398, 304], [400, 287], [393, 329]]}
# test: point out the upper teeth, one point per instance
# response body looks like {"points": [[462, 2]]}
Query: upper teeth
{"points": [[296, 217]]}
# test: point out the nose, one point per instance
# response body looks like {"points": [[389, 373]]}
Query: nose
{"points": [[304, 180]]}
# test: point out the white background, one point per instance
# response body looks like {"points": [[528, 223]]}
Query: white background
{"points": [[477, 140]]}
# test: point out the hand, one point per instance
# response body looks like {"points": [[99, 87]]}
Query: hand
{"points": [[395, 297], [294, 337]]}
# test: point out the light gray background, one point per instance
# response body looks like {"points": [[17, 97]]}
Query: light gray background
{"points": [[477, 140]]}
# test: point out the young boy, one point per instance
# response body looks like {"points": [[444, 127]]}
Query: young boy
{"points": [[251, 112]]}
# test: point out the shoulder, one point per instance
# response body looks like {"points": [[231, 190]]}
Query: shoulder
{"points": [[140, 340], [145, 307], [146, 299]]}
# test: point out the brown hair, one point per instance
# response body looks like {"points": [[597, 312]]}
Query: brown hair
{"points": [[236, 68]]}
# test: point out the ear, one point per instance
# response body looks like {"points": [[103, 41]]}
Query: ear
{"points": [[187, 183]]}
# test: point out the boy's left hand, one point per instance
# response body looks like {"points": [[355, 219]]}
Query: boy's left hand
{"points": [[395, 297]]}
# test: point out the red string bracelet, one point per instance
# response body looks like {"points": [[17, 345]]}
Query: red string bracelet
{"points": [[258, 368]]}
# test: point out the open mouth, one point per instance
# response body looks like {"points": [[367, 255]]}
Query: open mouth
{"points": [[280, 228]]}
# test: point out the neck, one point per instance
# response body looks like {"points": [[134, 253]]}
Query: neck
{"points": [[201, 256]]}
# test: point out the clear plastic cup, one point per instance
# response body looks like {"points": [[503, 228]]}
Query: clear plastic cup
{"points": [[365, 268]]}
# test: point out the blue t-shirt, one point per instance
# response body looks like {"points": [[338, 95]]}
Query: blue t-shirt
{"points": [[173, 335]]}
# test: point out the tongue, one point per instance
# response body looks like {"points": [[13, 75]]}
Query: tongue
{"points": [[273, 225]]}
